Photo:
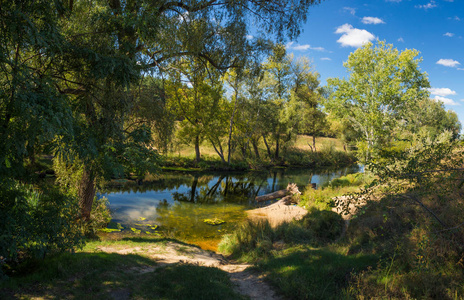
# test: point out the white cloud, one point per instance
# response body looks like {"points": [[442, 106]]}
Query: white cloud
{"points": [[455, 18], [442, 91], [397, 1], [317, 49], [301, 47], [350, 10], [298, 47], [448, 62], [372, 20], [446, 101], [449, 34], [326, 58], [401, 40], [429, 5], [353, 37]]}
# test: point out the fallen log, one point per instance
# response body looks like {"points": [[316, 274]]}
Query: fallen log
{"points": [[291, 190]]}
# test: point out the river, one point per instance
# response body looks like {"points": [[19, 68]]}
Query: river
{"points": [[177, 203]]}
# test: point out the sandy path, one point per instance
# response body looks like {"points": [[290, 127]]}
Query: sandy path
{"points": [[247, 283], [277, 213]]}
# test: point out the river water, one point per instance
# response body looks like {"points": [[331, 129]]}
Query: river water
{"points": [[177, 203]]}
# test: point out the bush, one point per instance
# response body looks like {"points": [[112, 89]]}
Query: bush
{"points": [[323, 225], [100, 217], [35, 222]]}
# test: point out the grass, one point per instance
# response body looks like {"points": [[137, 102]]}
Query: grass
{"points": [[98, 275], [322, 198], [301, 143], [304, 259], [303, 272], [300, 258]]}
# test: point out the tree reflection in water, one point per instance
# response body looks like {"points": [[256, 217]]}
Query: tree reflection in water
{"points": [[179, 202]]}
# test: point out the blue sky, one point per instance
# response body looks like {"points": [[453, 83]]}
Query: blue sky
{"points": [[335, 28]]}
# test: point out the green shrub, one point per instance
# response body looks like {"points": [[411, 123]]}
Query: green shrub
{"points": [[323, 225], [35, 222], [100, 217]]}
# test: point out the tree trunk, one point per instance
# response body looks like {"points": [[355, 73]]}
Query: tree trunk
{"points": [[292, 189], [86, 193], [267, 147], [255, 148], [230, 129], [314, 143], [277, 148], [197, 149], [218, 151]]}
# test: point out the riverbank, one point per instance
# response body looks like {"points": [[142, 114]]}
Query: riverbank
{"points": [[141, 268], [138, 266], [292, 158]]}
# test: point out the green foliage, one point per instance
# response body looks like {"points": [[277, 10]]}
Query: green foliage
{"points": [[322, 224], [100, 217], [383, 86], [36, 222], [323, 197], [324, 158], [253, 241]]}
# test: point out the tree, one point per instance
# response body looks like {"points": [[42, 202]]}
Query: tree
{"points": [[277, 80], [430, 117], [383, 85], [307, 93], [32, 110], [88, 54], [196, 96]]}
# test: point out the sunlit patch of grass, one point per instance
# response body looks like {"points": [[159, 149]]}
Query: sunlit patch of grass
{"points": [[303, 272], [253, 241], [323, 197], [98, 275]]}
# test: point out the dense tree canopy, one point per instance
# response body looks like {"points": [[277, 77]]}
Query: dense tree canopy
{"points": [[383, 85], [67, 68]]}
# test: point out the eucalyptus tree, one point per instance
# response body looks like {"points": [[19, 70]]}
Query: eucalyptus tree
{"points": [[383, 85]]}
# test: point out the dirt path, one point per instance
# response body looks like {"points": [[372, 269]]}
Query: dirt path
{"points": [[247, 282]]}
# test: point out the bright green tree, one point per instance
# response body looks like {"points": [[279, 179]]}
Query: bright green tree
{"points": [[382, 86], [308, 94], [196, 97]]}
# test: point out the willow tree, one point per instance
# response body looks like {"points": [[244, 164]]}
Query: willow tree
{"points": [[383, 85]]}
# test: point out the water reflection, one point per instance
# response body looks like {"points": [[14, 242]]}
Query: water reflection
{"points": [[179, 202]]}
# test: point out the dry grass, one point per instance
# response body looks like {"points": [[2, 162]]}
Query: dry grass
{"points": [[302, 143]]}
